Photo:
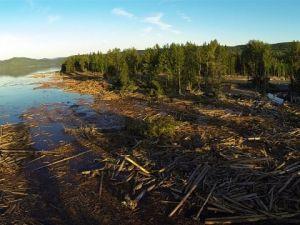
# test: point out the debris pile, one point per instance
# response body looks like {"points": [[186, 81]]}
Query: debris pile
{"points": [[227, 186], [13, 188]]}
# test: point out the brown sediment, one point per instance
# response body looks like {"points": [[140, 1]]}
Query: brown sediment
{"points": [[93, 87], [41, 75]]}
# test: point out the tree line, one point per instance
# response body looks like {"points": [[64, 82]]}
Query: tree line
{"points": [[178, 68]]}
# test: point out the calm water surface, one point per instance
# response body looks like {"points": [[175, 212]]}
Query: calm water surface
{"points": [[18, 94], [46, 111]]}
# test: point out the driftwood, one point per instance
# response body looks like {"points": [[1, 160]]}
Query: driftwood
{"points": [[205, 202], [193, 188], [137, 165], [247, 218], [62, 160], [236, 184], [101, 184], [241, 178]]}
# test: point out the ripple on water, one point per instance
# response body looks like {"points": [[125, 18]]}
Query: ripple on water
{"points": [[49, 111], [18, 98]]}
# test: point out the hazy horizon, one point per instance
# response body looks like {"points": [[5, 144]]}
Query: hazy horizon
{"points": [[82, 53], [51, 28]]}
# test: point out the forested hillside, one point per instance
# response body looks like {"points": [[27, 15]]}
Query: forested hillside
{"points": [[178, 68], [21, 66]]}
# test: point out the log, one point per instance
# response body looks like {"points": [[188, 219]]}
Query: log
{"points": [[206, 200], [63, 160], [193, 188], [137, 165]]}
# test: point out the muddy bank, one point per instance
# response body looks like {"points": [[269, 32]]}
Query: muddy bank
{"points": [[79, 84]]}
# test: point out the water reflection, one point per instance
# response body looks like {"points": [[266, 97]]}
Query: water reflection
{"points": [[22, 102], [48, 112], [17, 94]]}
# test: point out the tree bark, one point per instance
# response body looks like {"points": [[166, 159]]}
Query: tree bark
{"points": [[179, 83]]}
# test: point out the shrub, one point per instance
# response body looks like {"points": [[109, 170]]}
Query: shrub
{"points": [[155, 89], [158, 126], [154, 126], [131, 87]]}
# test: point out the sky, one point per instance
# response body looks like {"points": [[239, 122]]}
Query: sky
{"points": [[56, 28]]}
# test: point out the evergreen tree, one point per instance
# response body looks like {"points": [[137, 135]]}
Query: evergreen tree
{"points": [[257, 59], [132, 59], [176, 59], [175, 68], [124, 75], [191, 65], [294, 63], [215, 67]]}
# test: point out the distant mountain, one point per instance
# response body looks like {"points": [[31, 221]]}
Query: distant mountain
{"points": [[22, 66], [278, 47]]}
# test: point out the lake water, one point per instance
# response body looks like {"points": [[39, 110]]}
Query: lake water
{"points": [[18, 94], [46, 111]]}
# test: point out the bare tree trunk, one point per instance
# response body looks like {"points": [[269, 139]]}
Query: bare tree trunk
{"points": [[199, 73], [179, 83]]}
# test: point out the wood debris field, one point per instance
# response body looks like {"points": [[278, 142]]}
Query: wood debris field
{"points": [[230, 160]]}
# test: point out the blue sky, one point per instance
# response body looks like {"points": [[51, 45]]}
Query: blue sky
{"points": [[51, 28]]}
